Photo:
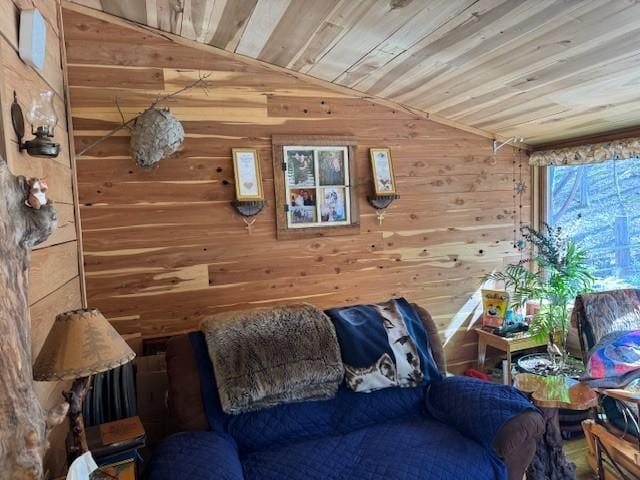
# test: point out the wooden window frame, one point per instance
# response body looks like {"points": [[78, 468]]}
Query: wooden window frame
{"points": [[284, 232], [540, 196]]}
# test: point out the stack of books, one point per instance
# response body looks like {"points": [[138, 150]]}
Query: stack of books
{"points": [[114, 446]]}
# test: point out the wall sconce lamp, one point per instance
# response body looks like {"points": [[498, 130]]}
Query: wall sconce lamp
{"points": [[42, 117]]}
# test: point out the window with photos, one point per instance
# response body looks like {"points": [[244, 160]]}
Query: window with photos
{"points": [[597, 206], [317, 186]]}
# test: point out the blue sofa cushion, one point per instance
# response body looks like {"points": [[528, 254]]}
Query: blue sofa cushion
{"points": [[411, 448], [196, 456], [383, 345], [476, 408], [287, 423]]}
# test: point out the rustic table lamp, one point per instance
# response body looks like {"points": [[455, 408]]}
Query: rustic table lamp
{"points": [[80, 344]]}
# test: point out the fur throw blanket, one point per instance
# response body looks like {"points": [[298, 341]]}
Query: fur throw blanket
{"points": [[266, 357], [601, 313]]}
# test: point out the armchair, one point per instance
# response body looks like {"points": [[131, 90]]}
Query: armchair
{"points": [[614, 438]]}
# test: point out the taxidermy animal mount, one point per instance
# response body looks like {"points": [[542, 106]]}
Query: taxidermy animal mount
{"points": [[24, 424], [37, 193]]}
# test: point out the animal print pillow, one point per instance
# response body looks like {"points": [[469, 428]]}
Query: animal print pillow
{"points": [[383, 345]]}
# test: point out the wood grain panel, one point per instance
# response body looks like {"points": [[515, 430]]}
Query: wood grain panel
{"points": [[164, 248], [142, 78], [50, 268], [44, 311]]}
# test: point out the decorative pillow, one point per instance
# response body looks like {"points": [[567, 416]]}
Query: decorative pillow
{"points": [[383, 345], [614, 355]]}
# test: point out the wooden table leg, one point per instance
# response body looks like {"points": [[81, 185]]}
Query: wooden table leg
{"points": [[509, 379], [482, 353], [549, 462]]}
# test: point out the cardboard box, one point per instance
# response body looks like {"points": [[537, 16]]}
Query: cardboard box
{"points": [[151, 387]]}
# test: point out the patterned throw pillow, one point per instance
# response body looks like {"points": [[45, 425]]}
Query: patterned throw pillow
{"points": [[616, 354], [383, 345]]}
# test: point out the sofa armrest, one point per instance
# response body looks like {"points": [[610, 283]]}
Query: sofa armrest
{"points": [[195, 455], [517, 440], [496, 416]]}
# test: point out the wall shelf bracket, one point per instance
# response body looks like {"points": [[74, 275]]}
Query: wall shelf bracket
{"points": [[248, 211], [380, 203], [497, 146]]}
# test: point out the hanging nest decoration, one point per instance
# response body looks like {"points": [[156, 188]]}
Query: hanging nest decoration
{"points": [[155, 135]]}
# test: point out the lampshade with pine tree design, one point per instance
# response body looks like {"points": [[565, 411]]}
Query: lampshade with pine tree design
{"points": [[81, 343]]}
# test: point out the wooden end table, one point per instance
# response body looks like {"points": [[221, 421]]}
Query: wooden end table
{"points": [[550, 394], [509, 345]]}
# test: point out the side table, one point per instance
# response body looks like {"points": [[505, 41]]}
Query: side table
{"points": [[550, 394], [509, 345]]}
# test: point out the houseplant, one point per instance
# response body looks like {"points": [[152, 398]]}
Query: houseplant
{"points": [[554, 275]]}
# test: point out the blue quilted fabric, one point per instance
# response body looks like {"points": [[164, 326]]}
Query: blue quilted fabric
{"points": [[406, 449], [476, 408], [386, 434], [293, 422], [411, 448], [195, 456]]}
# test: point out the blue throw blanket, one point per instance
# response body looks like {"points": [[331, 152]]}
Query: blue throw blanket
{"points": [[383, 345]]}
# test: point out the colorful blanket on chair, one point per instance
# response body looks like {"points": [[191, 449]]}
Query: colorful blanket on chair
{"points": [[615, 355]]}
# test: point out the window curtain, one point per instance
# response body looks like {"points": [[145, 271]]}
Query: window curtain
{"points": [[593, 153]]}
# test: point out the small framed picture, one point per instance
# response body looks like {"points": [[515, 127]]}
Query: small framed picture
{"points": [[331, 167], [246, 167], [301, 171], [314, 192], [333, 207], [384, 180]]}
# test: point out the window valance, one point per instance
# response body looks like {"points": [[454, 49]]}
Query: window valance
{"points": [[591, 153]]}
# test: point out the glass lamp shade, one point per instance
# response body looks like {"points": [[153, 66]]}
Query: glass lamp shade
{"points": [[41, 113]]}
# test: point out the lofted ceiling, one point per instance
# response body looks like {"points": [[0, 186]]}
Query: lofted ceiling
{"points": [[545, 70]]}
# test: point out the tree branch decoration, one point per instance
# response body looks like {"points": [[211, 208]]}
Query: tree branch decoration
{"points": [[155, 133], [25, 426]]}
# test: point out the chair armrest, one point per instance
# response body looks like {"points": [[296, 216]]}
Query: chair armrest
{"points": [[476, 408], [195, 455]]}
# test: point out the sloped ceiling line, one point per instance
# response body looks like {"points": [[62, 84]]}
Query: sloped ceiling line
{"points": [[526, 68]]}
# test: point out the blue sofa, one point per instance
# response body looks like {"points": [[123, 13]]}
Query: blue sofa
{"points": [[458, 428]]}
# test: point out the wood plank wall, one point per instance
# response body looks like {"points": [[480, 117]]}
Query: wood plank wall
{"points": [[164, 248], [54, 274]]}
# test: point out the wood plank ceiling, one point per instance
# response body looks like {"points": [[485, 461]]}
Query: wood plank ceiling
{"points": [[541, 69]]}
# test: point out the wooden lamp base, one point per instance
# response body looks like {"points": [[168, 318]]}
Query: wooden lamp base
{"points": [[75, 397]]}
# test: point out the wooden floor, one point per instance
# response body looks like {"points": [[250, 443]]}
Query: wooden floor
{"points": [[576, 451]]}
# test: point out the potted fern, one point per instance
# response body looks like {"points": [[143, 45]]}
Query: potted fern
{"points": [[556, 274]]}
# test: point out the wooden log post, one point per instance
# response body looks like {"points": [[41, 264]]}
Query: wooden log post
{"points": [[24, 424]]}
